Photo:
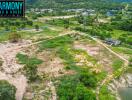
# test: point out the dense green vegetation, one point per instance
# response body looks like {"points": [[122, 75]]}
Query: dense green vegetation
{"points": [[9, 24], [67, 4], [117, 64], [71, 88], [7, 91], [105, 94]]}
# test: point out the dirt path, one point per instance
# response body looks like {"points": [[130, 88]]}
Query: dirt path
{"points": [[110, 76], [10, 68], [56, 17], [8, 53]]}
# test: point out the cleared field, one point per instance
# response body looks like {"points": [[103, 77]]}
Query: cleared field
{"points": [[70, 59]]}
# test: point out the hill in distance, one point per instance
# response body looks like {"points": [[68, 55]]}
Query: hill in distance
{"points": [[66, 4]]}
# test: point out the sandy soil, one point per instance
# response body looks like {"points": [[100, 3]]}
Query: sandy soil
{"points": [[10, 67], [56, 17], [82, 60], [98, 53], [52, 65], [91, 50], [33, 30]]}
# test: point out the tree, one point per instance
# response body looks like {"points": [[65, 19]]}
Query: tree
{"points": [[14, 37], [31, 67], [80, 19], [37, 27], [7, 91], [7, 28], [22, 26], [66, 24], [82, 93], [88, 79], [31, 71], [30, 23]]}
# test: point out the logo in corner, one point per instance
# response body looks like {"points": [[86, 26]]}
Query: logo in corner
{"points": [[12, 8]]}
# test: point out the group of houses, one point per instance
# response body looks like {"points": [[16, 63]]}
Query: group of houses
{"points": [[39, 11], [82, 11]]}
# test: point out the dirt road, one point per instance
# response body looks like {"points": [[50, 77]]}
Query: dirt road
{"points": [[10, 67], [111, 76], [56, 17]]}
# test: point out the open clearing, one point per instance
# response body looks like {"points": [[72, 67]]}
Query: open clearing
{"points": [[56, 58]]}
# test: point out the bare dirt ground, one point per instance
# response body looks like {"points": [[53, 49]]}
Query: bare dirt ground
{"points": [[10, 67], [98, 53], [33, 30], [91, 50], [52, 65], [56, 17]]}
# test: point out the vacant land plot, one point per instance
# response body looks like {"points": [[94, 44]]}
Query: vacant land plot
{"points": [[69, 58]]}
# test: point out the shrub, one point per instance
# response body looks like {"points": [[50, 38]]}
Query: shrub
{"points": [[37, 27], [14, 37], [82, 93], [31, 71], [105, 94], [7, 91], [88, 79], [70, 88], [30, 66]]}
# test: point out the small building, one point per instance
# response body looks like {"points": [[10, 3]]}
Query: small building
{"points": [[111, 41]]}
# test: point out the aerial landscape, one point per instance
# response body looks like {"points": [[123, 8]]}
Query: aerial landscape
{"points": [[67, 50]]}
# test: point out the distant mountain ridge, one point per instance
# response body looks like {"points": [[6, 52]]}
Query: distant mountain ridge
{"points": [[72, 3]]}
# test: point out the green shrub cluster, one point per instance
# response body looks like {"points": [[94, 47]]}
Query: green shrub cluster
{"points": [[30, 66], [7, 91]]}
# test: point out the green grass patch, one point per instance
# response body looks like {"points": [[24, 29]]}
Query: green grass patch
{"points": [[123, 50], [84, 53], [4, 37], [30, 66], [44, 33], [24, 59], [117, 63], [117, 33], [65, 54], [57, 42], [105, 94]]}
